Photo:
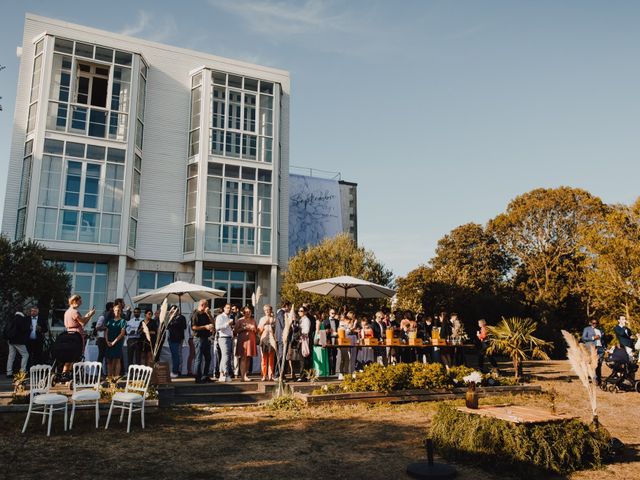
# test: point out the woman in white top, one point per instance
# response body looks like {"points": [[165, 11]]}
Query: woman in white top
{"points": [[266, 328]]}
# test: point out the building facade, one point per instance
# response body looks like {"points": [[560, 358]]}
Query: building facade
{"points": [[137, 164]]}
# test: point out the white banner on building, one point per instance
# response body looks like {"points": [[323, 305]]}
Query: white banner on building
{"points": [[314, 211]]}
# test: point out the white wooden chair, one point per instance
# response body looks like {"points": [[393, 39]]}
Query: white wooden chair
{"points": [[138, 377], [86, 387], [39, 397]]}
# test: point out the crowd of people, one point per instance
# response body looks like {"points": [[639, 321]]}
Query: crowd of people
{"points": [[235, 336]]}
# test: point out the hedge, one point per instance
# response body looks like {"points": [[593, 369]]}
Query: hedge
{"points": [[526, 449]]}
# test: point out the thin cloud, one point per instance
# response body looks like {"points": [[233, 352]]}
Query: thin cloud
{"points": [[151, 27], [286, 17]]}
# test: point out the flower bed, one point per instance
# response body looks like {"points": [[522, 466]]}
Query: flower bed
{"points": [[412, 376], [526, 449]]}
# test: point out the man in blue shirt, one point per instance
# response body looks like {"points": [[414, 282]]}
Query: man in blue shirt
{"points": [[592, 335]]}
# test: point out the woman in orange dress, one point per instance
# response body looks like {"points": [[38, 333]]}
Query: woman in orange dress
{"points": [[245, 330]]}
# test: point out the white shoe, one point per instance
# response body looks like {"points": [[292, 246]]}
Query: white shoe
{"points": [[222, 378], [228, 379], [340, 376], [173, 375]]}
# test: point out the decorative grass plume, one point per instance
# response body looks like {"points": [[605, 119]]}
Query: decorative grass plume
{"points": [[584, 360]]}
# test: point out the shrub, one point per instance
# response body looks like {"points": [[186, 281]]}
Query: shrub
{"points": [[526, 449], [457, 374], [287, 403], [428, 376]]}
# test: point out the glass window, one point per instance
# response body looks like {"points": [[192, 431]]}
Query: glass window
{"points": [[264, 175], [133, 231], [62, 45], [31, 119], [73, 149], [88, 227], [215, 169], [189, 238], [266, 87], [46, 223], [97, 123], [28, 147], [92, 186], [72, 189], [116, 155], [68, 225], [235, 109], [212, 238], [84, 50], [104, 54], [95, 152], [55, 147], [35, 79], [232, 148], [214, 199], [251, 84], [113, 186], [110, 229], [192, 197], [50, 177], [235, 81], [139, 133], [25, 182], [219, 78], [123, 58], [142, 95]]}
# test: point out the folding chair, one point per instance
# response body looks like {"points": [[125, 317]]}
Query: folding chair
{"points": [[138, 377], [39, 396], [86, 387]]}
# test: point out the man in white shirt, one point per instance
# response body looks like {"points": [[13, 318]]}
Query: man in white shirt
{"points": [[224, 331], [133, 338]]}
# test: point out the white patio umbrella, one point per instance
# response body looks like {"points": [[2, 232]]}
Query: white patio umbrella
{"points": [[346, 287], [174, 292]]}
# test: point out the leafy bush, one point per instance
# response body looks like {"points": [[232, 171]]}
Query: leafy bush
{"points": [[526, 449], [429, 376], [457, 374], [287, 403]]}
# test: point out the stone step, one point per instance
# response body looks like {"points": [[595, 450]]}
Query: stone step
{"points": [[218, 387], [222, 399]]}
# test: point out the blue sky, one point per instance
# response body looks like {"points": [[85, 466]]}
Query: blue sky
{"points": [[441, 111]]}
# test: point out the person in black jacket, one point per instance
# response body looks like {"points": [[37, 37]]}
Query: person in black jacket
{"points": [[38, 326], [176, 328], [17, 333]]}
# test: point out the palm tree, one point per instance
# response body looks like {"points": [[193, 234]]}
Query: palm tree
{"points": [[514, 338]]}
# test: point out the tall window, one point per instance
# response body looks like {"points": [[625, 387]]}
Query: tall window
{"points": [[25, 188], [194, 120], [35, 86], [135, 201], [89, 280], [238, 213], [191, 208], [80, 193], [239, 285], [90, 90], [241, 117]]}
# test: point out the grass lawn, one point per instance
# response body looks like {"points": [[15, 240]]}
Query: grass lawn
{"points": [[336, 441]]}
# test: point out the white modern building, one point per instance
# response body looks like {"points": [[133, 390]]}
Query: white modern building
{"points": [[137, 164]]}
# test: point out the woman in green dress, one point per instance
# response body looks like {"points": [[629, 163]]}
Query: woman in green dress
{"points": [[116, 327], [320, 354]]}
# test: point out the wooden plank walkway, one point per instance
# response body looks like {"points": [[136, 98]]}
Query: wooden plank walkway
{"points": [[517, 414]]}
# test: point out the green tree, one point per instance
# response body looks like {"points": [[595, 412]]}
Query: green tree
{"points": [[540, 231], [332, 258], [27, 276], [468, 275], [515, 338], [411, 288], [613, 276], [470, 257]]}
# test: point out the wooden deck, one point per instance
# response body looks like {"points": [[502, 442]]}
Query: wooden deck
{"points": [[517, 414]]}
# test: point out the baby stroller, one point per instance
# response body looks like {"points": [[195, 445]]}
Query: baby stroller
{"points": [[622, 377], [67, 348]]}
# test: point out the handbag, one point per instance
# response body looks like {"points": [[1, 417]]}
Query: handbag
{"points": [[304, 346]]}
